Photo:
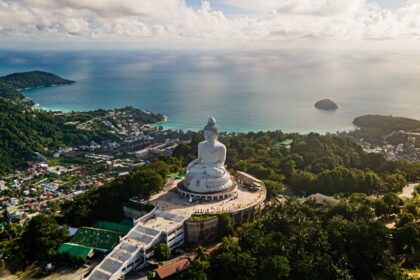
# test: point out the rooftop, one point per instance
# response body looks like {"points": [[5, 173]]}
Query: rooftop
{"points": [[97, 238], [123, 228], [162, 221], [75, 250], [173, 268]]}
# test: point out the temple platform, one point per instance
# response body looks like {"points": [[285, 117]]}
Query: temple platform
{"points": [[176, 200]]}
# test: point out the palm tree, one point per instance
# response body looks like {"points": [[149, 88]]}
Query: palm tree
{"points": [[200, 253]]}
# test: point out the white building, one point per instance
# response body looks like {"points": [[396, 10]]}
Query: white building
{"points": [[139, 243], [2, 185], [142, 153]]}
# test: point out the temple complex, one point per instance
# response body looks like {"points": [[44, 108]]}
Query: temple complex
{"points": [[208, 190]]}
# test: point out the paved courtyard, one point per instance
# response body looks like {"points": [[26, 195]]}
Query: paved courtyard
{"points": [[171, 201]]}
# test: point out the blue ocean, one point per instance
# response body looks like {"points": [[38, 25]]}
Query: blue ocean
{"points": [[244, 90]]}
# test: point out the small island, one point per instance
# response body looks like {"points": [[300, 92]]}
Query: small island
{"points": [[326, 104]]}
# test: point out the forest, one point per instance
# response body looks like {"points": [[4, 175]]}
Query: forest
{"points": [[314, 163], [375, 128], [24, 131], [297, 240]]}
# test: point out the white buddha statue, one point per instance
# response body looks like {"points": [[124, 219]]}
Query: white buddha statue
{"points": [[207, 172]]}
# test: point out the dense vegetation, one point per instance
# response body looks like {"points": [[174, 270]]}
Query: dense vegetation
{"points": [[106, 202], [293, 240], [162, 252], [386, 123], [9, 92], [41, 238], [373, 128], [35, 243], [33, 79], [314, 163], [25, 132], [310, 241]]}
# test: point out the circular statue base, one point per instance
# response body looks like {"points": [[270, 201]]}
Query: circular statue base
{"points": [[232, 191]]}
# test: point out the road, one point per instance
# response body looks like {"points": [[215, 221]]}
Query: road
{"points": [[408, 190]]}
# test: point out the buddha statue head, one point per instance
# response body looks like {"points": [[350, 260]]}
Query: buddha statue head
{"points": [[211, 131]]}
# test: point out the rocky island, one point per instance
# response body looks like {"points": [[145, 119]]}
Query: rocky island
{"points": [[326, 104]]}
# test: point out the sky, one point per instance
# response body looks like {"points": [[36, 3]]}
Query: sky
{"points": [[215, 23]]}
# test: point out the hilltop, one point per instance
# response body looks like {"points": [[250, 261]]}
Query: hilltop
{"points": [[34, 79]]}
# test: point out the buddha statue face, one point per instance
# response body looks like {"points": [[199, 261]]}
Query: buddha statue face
{"points": [[211, 131], [210, 136]]}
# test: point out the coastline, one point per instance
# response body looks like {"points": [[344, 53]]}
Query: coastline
{"points": [[169, 124]]}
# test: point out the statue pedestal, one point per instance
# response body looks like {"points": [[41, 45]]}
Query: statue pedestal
{"points": [[202, 183], [230, 192]]}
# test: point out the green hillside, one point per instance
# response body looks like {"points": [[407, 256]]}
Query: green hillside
{"points": [[33, 79], [24, 132], [386, 124], [10, 92]]}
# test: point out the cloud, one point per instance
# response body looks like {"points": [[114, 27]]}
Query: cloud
{"points": [[308, 7], [173, 21]]}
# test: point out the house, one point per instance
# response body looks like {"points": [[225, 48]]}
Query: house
{"points": [[173, 268]]}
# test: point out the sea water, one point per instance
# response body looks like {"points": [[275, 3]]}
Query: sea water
{"points": [[243, 90]]}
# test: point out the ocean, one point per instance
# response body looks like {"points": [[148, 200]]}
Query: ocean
{"points": [[243, 90]]}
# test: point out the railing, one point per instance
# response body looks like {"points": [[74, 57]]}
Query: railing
{"points": [[233, 208]]}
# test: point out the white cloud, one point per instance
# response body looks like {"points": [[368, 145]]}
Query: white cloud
{"points": [[168, 21], [313, 7]]}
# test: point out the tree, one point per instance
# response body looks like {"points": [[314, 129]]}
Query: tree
{"points": [[381, 208], [41, 238], [232, 262], [162, 252], [395, 182], [407, 238], [197, 271], [389, 204], [274, 187], [200, 253], [224, 225], [417, 189], [393, 203], [276, 267], [143, 183]]}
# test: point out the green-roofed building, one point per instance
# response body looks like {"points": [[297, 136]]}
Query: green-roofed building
{"points": [[284, 144], [122, 228], [76, 250], [99, 239], [128, 222]]}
